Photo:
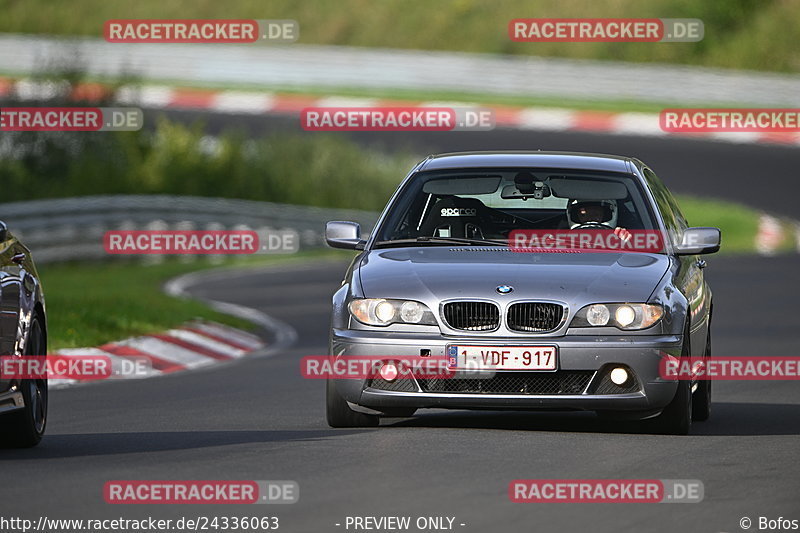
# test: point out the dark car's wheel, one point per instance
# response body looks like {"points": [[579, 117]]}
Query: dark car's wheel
{"points": [[25, 428], [701, 403], [676, 418], [339, 413]]}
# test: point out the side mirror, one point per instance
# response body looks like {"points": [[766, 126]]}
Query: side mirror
{"points": [[3, 231], [346, 235], [698, 241]]}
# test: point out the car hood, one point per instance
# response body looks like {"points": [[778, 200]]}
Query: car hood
{"points": [[432, 274]]}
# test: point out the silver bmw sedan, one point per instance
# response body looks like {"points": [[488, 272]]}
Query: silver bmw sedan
{"points": [[533, 280]]}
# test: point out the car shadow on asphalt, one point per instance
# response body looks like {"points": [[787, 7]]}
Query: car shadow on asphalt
{"points": [[100, 444], [727, 419], [750, 419]]}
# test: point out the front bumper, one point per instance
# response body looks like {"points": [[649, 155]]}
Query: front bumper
{"points": [[587, 356]]}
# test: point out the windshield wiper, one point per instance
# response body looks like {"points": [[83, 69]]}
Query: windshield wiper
{"points": [[444, 240], [493, 242]]}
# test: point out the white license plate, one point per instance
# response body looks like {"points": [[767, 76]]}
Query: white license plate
{"points": [[502, 357]]}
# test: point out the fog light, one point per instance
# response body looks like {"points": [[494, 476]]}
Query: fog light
{"points": [[619, 376], [388, 372]]}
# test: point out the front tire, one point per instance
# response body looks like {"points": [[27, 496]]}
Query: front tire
{"points": [[701, 404], [676, 418], [25, 428], [340, 415]]}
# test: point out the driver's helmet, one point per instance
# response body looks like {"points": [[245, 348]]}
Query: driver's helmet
{"points": [[581, 212]]}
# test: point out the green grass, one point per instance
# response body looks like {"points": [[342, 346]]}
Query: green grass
{"points": [[739, 223], [748, 34], [321, 170], [610, 105], [89, 304]]}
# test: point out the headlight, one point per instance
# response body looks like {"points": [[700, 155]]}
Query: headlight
{"points": [[622, 316], [382, 312], [597, 315]]}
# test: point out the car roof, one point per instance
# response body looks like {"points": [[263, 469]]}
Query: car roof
{"points": [[571, 160]]}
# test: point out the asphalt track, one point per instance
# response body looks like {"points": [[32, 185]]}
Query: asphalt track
{"points": [[258, 419]]}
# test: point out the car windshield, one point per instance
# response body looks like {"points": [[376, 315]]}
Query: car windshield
{"points": [[486, 205]]}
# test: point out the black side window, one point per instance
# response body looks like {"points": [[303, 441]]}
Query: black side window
{"points": [[670, 212]]}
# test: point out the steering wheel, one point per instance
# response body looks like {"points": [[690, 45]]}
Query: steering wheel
{"points": [[593, 225]]}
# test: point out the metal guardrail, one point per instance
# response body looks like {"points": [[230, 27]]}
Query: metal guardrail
{"points": [[69, 229], [301, 65]]}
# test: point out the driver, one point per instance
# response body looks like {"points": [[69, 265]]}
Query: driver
{"points": [[595, 213]]}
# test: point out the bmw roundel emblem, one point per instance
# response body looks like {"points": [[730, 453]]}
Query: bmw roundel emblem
{"points": [[504, 289]]}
